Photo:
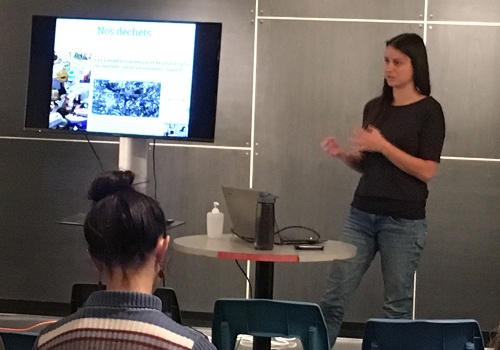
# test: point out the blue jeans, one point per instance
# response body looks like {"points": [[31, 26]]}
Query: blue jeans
{"points": [[400, 243]]}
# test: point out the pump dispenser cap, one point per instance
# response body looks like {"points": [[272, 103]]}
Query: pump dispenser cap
{"points": [[215, 209]]}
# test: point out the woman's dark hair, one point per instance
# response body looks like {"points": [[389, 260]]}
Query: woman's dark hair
{"points": [[123, 226], [413, 46]]}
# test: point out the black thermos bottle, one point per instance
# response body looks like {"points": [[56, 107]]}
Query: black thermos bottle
{"points": [[264, 228]]}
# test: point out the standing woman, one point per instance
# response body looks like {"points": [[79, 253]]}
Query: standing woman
{"points": [[397, 150], [127, 240]]}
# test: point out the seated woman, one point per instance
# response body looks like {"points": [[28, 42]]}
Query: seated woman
{"points": [[127, 240]]}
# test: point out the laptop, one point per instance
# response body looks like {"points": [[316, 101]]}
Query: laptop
{"points": [[242, 208]]}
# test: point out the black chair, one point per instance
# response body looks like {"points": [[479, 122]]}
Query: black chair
{"points": [[17, 340], [390, 334], [80, 292], [170, 306]]}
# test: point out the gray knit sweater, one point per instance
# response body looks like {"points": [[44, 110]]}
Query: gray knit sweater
{"points": [[120, 320]]}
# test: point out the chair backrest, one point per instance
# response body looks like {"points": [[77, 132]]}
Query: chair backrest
{"points": [[170, 306], [18, 340], [390, 334], [169, 303], [268, 318]]}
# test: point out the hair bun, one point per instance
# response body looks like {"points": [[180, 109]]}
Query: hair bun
{"points": [[110, 182]]}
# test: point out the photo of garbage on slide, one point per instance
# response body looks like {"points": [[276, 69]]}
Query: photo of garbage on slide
{"points": [[126, 98]]}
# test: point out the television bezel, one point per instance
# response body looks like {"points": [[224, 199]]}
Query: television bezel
{"points": [[205, 79]]}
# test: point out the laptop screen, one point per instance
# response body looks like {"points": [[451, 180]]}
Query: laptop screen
{"points": [[242, 207]]}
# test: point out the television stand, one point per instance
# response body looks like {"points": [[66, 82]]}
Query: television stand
{"points": [[133, 156]]}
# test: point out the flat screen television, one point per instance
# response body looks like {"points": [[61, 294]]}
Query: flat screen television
{"points": [[151, 79]]}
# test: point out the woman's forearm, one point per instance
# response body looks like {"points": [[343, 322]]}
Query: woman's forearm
{"points": [[352, 160], [422, 169]]}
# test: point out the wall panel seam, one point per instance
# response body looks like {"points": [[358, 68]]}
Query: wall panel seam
{"points": [[333, 19], [367, 20]]}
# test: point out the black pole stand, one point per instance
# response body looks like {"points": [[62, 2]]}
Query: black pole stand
{"points": [[264, 275]]}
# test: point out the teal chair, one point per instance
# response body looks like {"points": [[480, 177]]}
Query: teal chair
{"points": [[17, 340], [268, 318], [390, 334]]}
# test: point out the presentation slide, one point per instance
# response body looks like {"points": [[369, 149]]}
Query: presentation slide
{"points": [[124, 77]]}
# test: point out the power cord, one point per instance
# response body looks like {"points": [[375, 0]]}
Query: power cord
{"points": [[93, 150], [27, 328], [246, 239], [283, 241], [245, 274]]}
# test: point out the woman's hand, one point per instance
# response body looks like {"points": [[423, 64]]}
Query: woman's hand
{"points": [[331, 147], [369, 139]]}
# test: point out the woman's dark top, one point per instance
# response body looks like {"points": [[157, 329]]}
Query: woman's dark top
{"points": [[417, 129]]}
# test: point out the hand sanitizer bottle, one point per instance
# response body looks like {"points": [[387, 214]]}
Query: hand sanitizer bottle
{"points": [[215, 222]]}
